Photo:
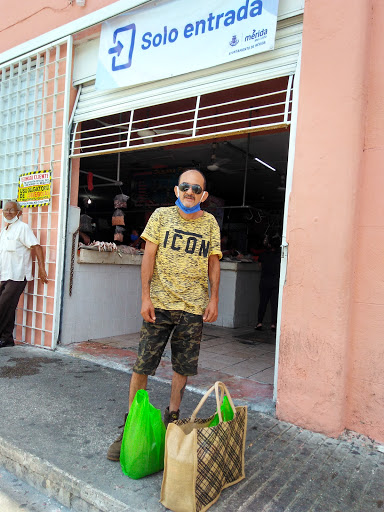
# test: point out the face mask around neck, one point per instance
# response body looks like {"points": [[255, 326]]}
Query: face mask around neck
{"points": [[15, 218], [185, 209]]}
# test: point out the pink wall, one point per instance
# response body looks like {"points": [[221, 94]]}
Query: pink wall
{"points": [[366, 379], [19, 23], [330, 376], [38, 17]]}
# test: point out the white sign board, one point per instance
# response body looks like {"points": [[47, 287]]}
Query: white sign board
{"points": [[171, 37]]}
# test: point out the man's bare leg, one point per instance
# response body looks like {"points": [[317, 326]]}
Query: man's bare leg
{"points": [[179, 383], [138, 381]]}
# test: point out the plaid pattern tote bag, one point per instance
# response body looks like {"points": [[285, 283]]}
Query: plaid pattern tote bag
{"points": [[201, 461]]}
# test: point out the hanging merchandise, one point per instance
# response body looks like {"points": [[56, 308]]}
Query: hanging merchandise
{"points": [[86, 223], [119, 234], [90, 181], [118, 218], [120, 201]]}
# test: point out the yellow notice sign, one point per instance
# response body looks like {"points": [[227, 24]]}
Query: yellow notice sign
{"points": [[34, 189]]}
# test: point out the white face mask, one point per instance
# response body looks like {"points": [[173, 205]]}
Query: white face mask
{"points": [[15, 218]]}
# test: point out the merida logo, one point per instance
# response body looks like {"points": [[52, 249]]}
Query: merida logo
{"points": [[214, 21], [256, 34]]}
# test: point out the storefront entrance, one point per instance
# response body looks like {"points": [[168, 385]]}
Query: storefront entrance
{"points": [[231, 122], [246, 175]]}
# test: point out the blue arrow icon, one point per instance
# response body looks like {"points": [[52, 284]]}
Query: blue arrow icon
{"points": [[131, 29], [116, 49]]}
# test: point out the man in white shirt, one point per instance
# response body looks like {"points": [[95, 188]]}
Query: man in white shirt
{"points": [[17, 245]]}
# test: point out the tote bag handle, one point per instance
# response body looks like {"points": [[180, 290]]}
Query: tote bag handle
{"points": [[219, 387]]}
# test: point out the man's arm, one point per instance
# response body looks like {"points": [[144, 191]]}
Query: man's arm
{"points": [[147, 266], [212, 310], [38, 251]]}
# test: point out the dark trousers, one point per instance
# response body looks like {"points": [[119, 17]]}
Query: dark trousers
{"points": [[10, 292], [268, 292]]}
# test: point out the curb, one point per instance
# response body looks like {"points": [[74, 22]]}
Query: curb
{"points": [[53, 482]]}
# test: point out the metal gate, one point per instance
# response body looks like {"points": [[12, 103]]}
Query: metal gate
{"points": [[250, 108], [34, 111]]}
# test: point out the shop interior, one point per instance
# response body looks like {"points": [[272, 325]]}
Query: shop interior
{"points": [[245, 179], [248, 201]]}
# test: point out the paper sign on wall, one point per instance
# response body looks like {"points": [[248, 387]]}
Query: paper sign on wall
{"points": [[34, 189], [166, 38]]}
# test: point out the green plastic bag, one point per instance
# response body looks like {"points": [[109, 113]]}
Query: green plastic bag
{"points": [[226, 413], [142, 447]]}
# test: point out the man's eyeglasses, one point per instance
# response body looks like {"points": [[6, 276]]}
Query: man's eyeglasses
{"points": [[196, 189], [10, 210]]}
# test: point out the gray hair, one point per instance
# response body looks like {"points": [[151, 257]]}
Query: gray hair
{"points": [[18, 207]]}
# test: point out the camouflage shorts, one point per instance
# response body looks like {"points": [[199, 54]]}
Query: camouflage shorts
{"points": [[186, 329]]}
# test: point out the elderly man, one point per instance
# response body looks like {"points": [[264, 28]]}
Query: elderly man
{"points": [[17, 244], [182, 253]]}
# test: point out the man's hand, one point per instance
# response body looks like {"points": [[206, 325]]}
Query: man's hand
{"points": [[43, 275], [211, 312], [38, 251], [148, 311]]}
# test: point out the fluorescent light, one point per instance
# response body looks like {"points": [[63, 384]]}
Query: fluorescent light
{"points": [[263, 163]]}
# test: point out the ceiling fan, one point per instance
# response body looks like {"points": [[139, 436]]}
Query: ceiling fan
{"points": [[147, 134], [217, 163]]}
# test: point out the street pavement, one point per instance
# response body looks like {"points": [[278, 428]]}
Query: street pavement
{"points": [[59, 414]]}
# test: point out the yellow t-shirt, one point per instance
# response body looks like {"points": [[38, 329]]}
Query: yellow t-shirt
{"points": [[180, 277]]}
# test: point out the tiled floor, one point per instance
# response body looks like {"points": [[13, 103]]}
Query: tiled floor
{"points": [[222, 349], [243, 358]]}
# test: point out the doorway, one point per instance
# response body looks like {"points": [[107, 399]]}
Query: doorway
{"points": [[248, 202], [239, 139]]}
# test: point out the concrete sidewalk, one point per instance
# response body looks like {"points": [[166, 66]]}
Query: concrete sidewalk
{"points": [[59, 414]]}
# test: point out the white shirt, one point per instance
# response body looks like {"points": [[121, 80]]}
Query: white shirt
{"points": [[15, 253]]}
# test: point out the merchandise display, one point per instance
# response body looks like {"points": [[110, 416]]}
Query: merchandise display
{"points": [[118, 218], [120, 201], [119, 234]]}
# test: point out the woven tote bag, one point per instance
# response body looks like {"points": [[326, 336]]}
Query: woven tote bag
{"points": [[201, 461]]}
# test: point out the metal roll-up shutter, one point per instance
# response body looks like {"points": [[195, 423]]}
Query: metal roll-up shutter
{"points": [[280, 62]]}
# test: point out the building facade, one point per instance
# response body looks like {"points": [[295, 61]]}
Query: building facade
{"points": [[330, 355]]}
